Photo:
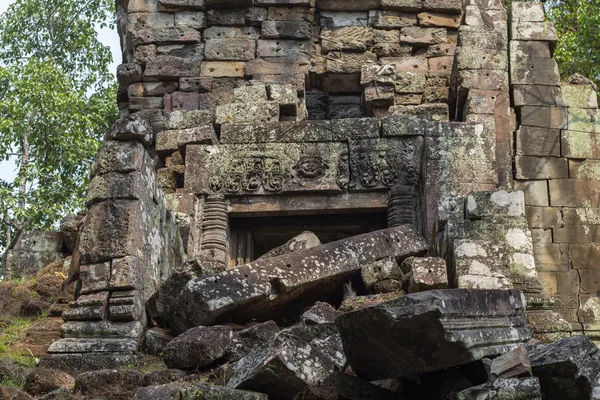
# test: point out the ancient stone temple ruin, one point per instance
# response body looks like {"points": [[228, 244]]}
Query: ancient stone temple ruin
{"points": [[271, 154]]}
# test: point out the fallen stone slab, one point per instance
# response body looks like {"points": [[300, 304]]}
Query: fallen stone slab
{"points": [[567, 369], [513, 364], [305, 240], [194, 390], [281, 369], [429, 331], [197, 347], [268, 289], [505, 389]]}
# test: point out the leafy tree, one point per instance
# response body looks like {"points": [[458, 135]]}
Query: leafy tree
{"points": [[57, 97], [578, 25]]}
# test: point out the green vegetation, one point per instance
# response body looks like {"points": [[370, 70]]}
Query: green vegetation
{"points": [[578, 25], [57, 98]]}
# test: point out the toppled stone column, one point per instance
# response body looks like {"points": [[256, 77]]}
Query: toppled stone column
{"points": [[429, 331], [267, 288]]}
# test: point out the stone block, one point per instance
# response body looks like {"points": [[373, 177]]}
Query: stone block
{"points": [[440, 66], [584, 256], [439, 19], [261, 66], [282, 13], [383, 19], [479, 38], [536, 95], [544, 217], [181, 101], [518, 389], [436, 112], [580, 144], [229, 3], [402, 166], [535, 71], [474, 58], [145, 103], [402, 5], [542, 31], [228, 32], [115, 156], [536, 192], [351, 38], [179, 4], [165, 35], [137, 21], [422, 36], [584, 169], [551, 257], [230, 17], [230, 49], [533, 141], [151, 88], [584, 119], [400, 354], [396, 125], [427, 274], [379, 96], [132, 127], [295, 49], [520, 50], [342, 83], [348, 5], [380, 270], [221, 69], [349, 63], [534, 167], [142, 6], [409, 82], [250, 94], [230, 296], [544, 117], [191, 19], [354, 128], [267, 111], [527, 12], [202, 84], [299, 30], [282, 168], [579, 96], [183, 119], [115, 185], [436, 95], [496, 80], [128, 74], [574, 193], [577, 234]]}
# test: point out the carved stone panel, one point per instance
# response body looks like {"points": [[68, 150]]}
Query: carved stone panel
{"points": [[262, 169], [384, 163]]}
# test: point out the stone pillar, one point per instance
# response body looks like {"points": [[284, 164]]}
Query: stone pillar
{"points": [[401, 206], [214, 229]]}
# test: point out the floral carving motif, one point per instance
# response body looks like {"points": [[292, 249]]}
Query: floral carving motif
{"points": [[250, 174]]}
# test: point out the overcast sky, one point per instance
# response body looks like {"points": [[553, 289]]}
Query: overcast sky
{"points": [[106, 36]]}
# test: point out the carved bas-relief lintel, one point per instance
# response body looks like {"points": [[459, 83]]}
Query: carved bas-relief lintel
{"points": [[261, 169], [384, 163]]}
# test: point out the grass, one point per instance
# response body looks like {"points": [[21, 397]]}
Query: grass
{"points": [[10, 331]]}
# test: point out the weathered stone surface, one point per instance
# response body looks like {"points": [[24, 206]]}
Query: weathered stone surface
{"points": [[260, 112], [58, 394], [297, 49], [581, 96], [131, 127], [567, 368], [247, 340], [194, 390], [319, 314], [156, 339], [544, 117], [427, 273], [367, 332], [168, 67], [436, 112], [504, 389], [282, 368], [253, 290], [533, 141], [574, 193], [422, 36], [265, 168], [348, 5], [286, 30], [197, 347], [537, 95], [43, 380], [12, 393], [222, 69], [534, 71], [279, 132], [513, 364], [543, 31], [533, 167], [165, 35], [230, 49], [108, 384], [381, 270]]}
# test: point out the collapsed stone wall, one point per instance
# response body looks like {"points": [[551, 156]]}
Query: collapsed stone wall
{"points": [[272, 107]]}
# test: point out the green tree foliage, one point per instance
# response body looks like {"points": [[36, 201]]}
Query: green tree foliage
{"points": [[57, 98], [578, 25]]}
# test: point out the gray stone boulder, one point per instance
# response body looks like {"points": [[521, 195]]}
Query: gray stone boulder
{"points": [[282, 368], [320, 313], [194, 390], [156, 339], [506, 389], [162, 377], [244, 341], [429, 331], [567, 369], [268, 289], [197, 347], [108, 384]]}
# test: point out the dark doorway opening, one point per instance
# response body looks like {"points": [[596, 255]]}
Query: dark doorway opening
{"points": [[251, 237]]}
